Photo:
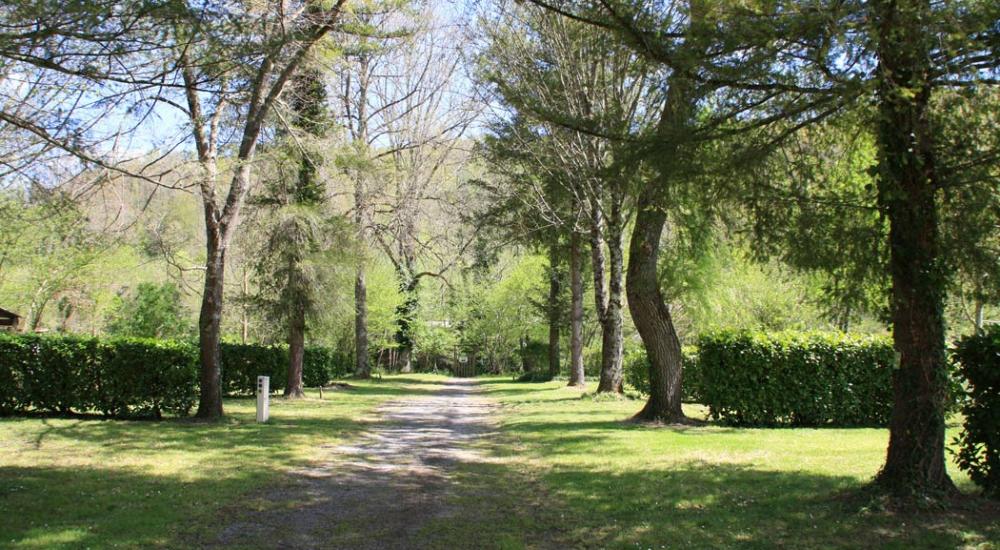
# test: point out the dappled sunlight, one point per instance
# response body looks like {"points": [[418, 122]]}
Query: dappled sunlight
{"points": [[707, 486], [131, 482]]}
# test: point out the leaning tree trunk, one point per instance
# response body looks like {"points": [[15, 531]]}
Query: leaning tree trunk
{"points": [[296, 353], [210, 327], [652, 316], [576, 375], [915, 461], [554, 310]]}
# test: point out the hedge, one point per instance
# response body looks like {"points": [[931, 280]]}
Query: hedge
{"points": [[122, 377], [132, 377], [978, 361], [635, 367], [796, 379]]}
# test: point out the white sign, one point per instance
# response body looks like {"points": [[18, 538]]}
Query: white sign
{"points": [[263, 398]]}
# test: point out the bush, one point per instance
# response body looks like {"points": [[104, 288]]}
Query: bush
{"points": [[635, 365], [243, 363], [798, 379], [978, 360], [123, 377], [134, 377]]}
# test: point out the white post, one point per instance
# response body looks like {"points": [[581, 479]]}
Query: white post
{"points": [[263, 398]]}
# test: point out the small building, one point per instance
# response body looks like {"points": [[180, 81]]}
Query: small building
{"points": [[9, 320]]}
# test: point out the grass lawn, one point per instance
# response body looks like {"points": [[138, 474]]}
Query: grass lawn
{"points": [[77, 483], [608, 483], [563, 471]]}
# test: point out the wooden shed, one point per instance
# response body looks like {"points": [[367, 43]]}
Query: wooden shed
{"points": [[9, 320]]}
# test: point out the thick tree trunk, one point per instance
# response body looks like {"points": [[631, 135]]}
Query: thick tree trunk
{"points": [[652, 316], [612, 344], [915, 461], [296, 353], [554, 310], [576, 375], [209, 329]]}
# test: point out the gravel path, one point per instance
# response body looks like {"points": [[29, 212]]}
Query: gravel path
{"points": [[382, 489]]}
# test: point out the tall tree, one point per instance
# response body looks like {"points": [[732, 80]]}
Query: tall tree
{"points": [[290, 275], [586, 87], [237, 68], [792, 64]]}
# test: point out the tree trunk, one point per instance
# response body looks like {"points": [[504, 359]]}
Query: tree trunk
{"points": [[611, 325], [296, 353], [554, 310], [979, 319], [576, 375], [244, 317], [404, 324], [362, 368], [652, 316], [915, 459], [210, 326]]}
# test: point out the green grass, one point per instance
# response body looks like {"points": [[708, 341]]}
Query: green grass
{"points": [[77, 483], [618, 484], [564, 471]]}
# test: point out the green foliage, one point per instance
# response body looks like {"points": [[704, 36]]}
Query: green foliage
{"points": [[121, 377], [152, 311], [799, 379], [978, 359], [243, 363], [135, 377], [494, 309], [635, 367], [534, 356]]}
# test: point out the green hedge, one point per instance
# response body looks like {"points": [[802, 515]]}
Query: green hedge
{"points": [[635, 365], [797, 379], [123, 377], [243, 363], [978, 361], [132, 377]]}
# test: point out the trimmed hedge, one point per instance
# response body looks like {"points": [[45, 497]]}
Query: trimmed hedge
{"points": [[122, 377], [978, 361], [134, 377], [243, 363], [635, 367], [796, 379]]}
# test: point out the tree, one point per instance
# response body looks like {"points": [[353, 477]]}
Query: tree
{"points": [[785, 67], [224, 70], [292, 266], [586, 87], [151, 311]]}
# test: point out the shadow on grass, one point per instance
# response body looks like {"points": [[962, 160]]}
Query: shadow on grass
{"points": [[699, 505], [100, 508]]}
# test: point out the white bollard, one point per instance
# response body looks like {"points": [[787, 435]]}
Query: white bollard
{"points": [[263, 398]]}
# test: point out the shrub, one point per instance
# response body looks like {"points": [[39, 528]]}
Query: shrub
{"points": [[978, 360], [243, 363], [124, 377], [134, 377], [794, 378], [635, 365]]}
